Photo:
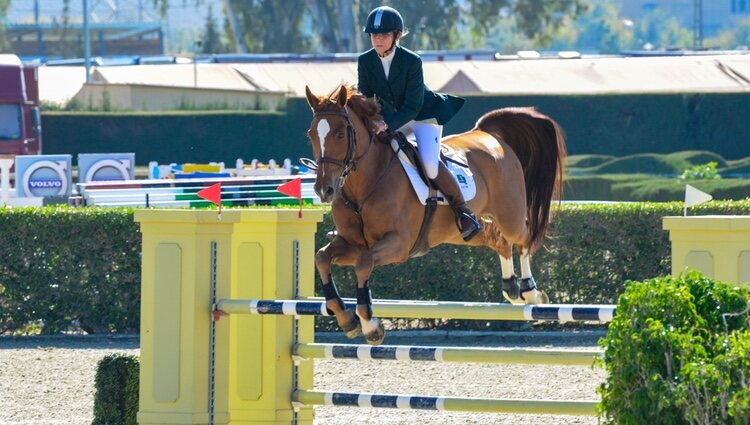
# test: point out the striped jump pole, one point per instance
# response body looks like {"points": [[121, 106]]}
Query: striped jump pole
{"points": [[446, 354], [429, 310], [451, 404]]}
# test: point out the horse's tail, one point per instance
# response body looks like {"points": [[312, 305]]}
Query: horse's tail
{"points": [[539, 143]]}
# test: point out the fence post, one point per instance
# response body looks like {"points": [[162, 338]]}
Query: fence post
{"points": [[716, 245], [248, 254]]}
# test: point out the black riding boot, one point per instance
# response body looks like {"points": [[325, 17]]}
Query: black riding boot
{"points": [[466, 221]]}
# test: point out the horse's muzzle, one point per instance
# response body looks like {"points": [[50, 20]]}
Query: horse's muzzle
{"points": [[325, 191]]}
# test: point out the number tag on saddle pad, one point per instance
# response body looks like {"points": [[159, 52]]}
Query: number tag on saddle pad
{"points": [[462, 174]]}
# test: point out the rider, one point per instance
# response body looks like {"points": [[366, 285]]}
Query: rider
{"points": [[394, 76]]}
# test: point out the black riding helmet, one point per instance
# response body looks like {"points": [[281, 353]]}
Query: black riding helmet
{"points": [[384, 19]]}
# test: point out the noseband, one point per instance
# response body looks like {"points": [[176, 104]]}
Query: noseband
{"points": [[349, 163]]}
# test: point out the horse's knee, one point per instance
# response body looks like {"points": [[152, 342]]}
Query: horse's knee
{"points": [[322, 258]]}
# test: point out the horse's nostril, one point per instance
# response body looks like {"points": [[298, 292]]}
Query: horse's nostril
{"points": [[329, 190]]}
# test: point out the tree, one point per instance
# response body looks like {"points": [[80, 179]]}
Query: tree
{"points": [[601, 30], [4, 45], [333, 25], [211, 37], [733, 38], [658, 30]]}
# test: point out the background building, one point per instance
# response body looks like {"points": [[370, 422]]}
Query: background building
{"points": [[46, 28]]}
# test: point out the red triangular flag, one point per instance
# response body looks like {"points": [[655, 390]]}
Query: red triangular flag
{"points": [[292, 188], [211, 193]]}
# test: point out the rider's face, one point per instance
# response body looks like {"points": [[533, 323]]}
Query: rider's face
{"points": [[382, 42]]}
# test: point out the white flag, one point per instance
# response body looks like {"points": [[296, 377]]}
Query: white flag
{"points": [[694, 196]]}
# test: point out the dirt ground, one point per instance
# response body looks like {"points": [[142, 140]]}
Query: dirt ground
{"points": [[50, 380]]}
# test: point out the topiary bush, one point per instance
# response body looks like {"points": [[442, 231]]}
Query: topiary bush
{"points": [[648, 163], [586, 161], [699, 157], [116, 383], [677, 353]]}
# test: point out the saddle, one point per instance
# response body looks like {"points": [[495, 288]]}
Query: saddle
{"points": [[404, 146], [408, 153]]}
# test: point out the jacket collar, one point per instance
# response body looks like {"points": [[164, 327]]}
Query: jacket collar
{"points": [[395, 71]]}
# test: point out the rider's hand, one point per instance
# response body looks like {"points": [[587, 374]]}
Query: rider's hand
{"points": [[379, 126]]}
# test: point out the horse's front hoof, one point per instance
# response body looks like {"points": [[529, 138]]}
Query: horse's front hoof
{"points": [[352, 328], [376, 335], [512, 291]]}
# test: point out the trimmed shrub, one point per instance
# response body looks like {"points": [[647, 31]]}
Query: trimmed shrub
{"points": [[586, 161], [63, 268], [677, 353], [647, 163], [644, 188], [699, 157], [665, 190], [116, 384]]}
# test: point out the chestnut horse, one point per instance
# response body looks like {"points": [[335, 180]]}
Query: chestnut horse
{"points": [[515, 154]]}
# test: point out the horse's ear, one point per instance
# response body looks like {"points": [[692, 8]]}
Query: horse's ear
{"points": [[312, 100], [341, 96]]}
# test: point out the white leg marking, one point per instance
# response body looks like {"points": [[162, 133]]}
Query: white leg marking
{"points": [[371, 325], [506, 265], [525, 264]]}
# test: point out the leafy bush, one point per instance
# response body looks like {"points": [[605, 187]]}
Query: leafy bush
{"points": [[677, 353], [116, 383], [701, 172]]}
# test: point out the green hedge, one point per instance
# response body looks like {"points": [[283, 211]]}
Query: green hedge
{"points": [[599, 124], [116, 384], [62, 266], [182, 137], [644, 188], [677, 352]]}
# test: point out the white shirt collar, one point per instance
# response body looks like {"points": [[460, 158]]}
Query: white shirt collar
{"points": [[386, 61]]}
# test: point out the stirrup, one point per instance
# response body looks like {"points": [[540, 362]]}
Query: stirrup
{"points": [[473, 225]]}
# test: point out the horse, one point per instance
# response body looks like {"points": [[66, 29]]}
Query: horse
{"points": [[515, 154]]}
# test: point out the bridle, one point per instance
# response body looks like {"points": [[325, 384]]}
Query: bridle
{"points": [[349, 163]]}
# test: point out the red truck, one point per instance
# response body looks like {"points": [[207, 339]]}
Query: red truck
{"points": [[20, 119]]}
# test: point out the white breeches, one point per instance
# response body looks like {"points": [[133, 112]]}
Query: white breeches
{"points": [[428, 137]]}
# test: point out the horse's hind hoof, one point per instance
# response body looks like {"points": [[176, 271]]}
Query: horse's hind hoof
{"points": [[512, 291], [535, 296], [376, 335], [353, 328]]}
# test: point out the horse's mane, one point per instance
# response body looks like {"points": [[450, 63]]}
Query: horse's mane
{"points": [[368, 109]]}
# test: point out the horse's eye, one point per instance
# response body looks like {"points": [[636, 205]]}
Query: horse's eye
{"points": [[341, 135]]}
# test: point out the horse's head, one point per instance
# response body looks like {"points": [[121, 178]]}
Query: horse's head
{"points": [[333, 141]]}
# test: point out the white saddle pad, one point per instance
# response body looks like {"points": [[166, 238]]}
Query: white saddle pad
{"points": [[462, 174]]}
